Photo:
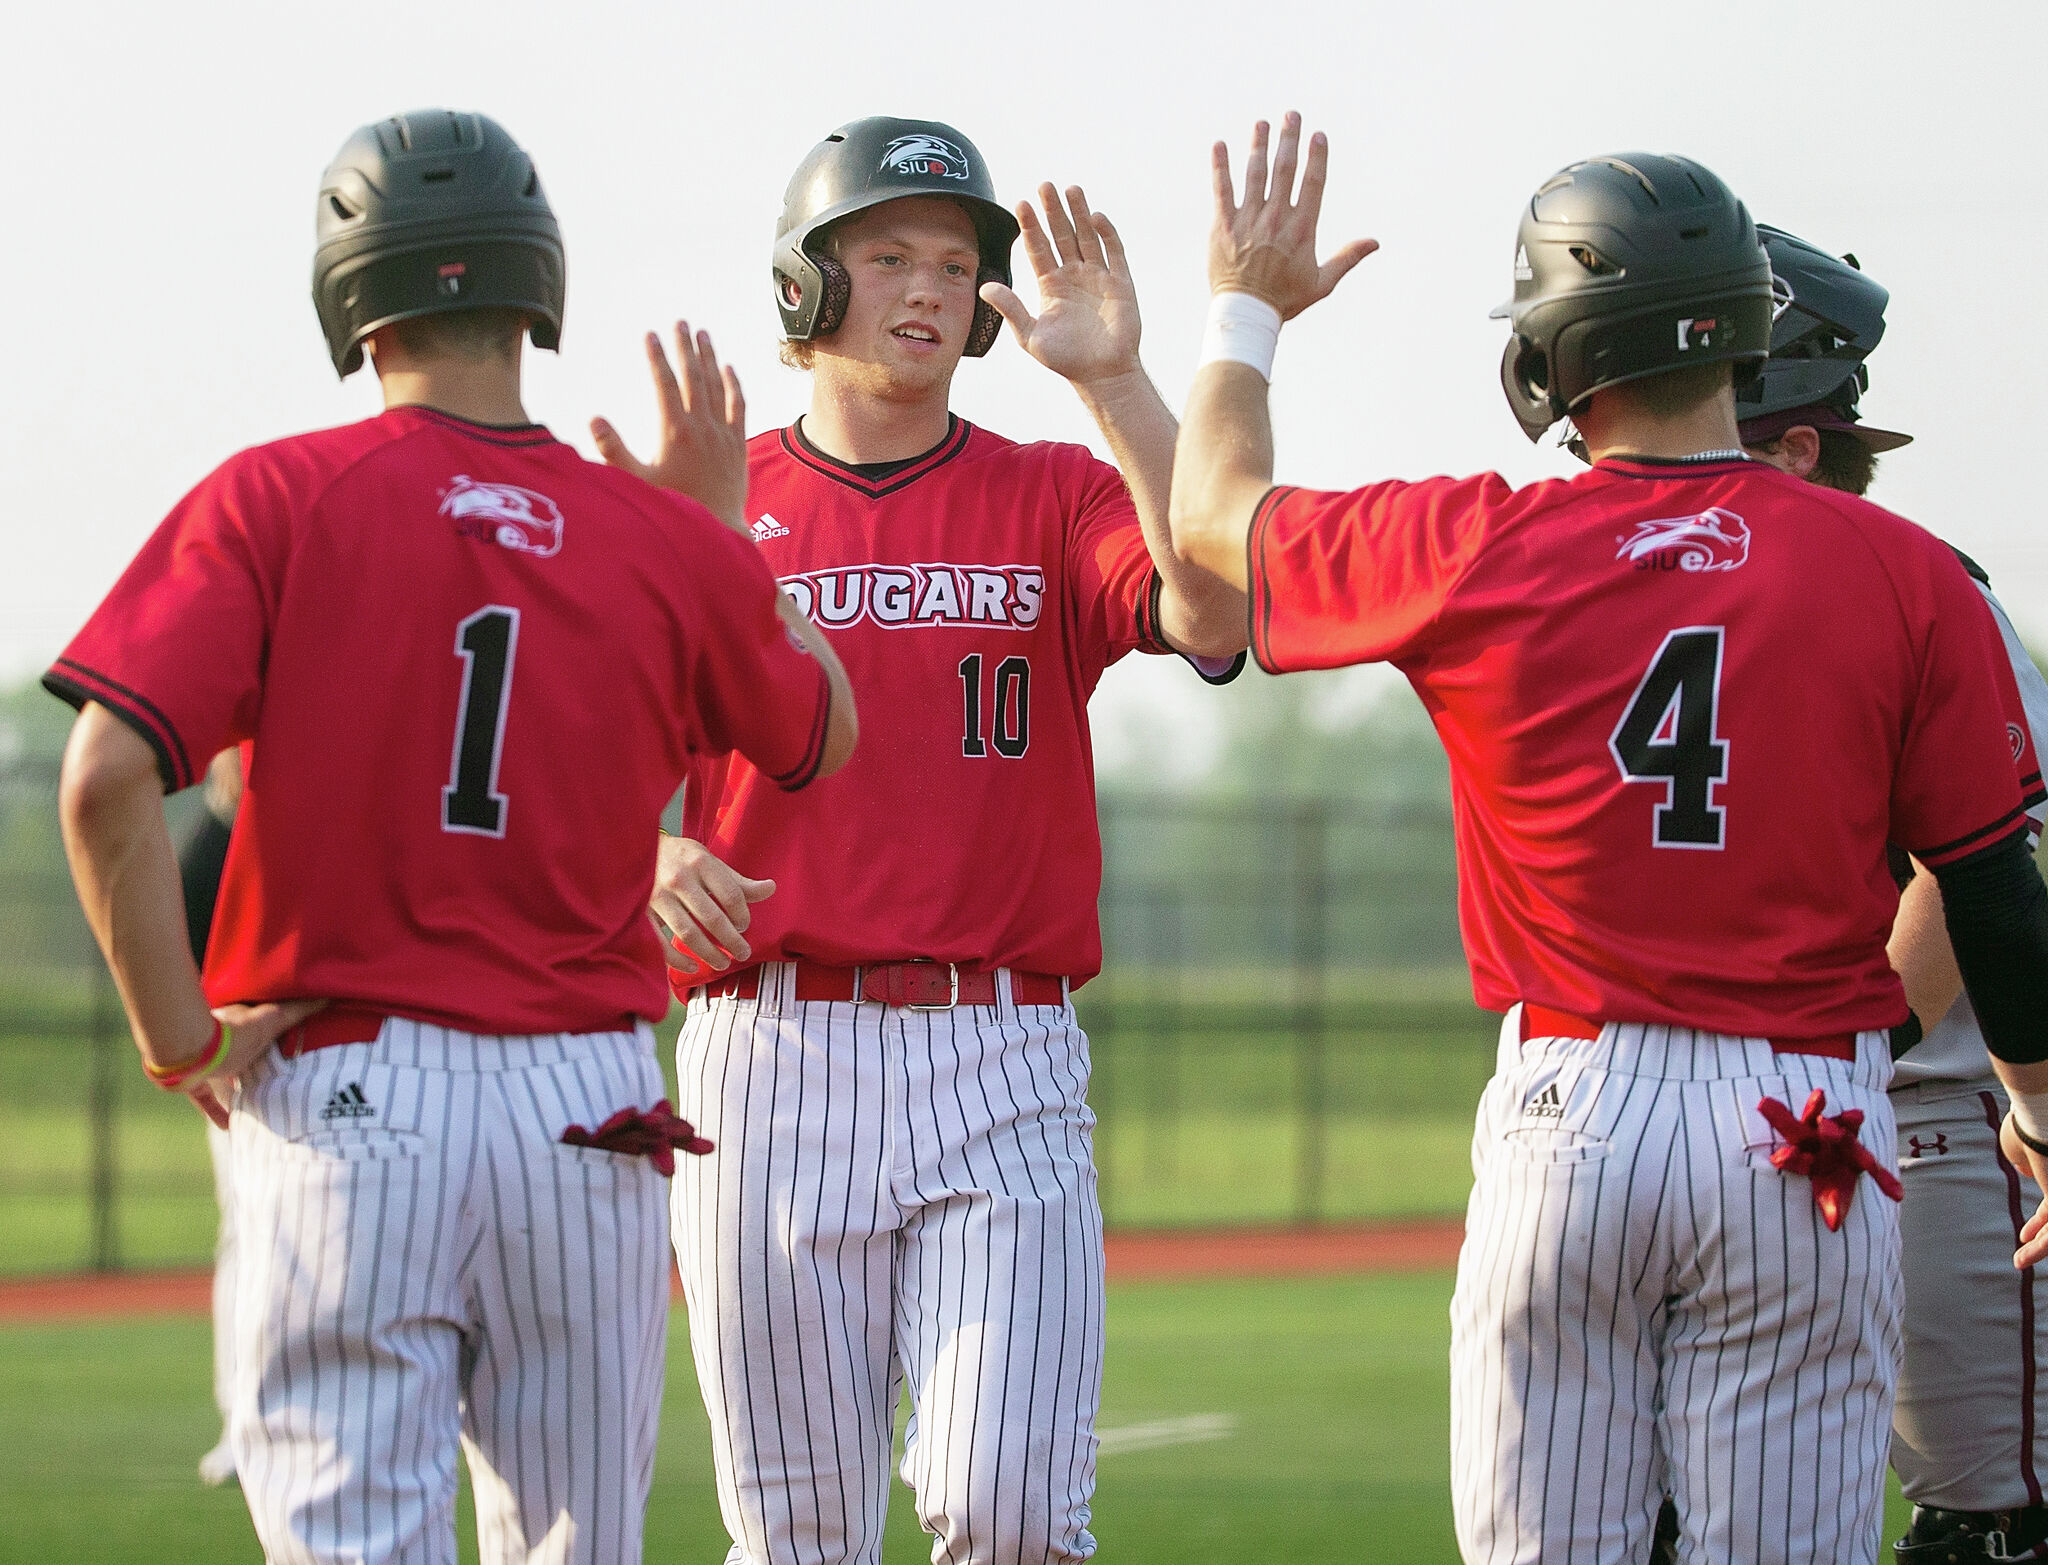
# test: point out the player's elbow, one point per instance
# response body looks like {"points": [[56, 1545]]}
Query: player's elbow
{"points": [[109, 776], [1204, 617]]}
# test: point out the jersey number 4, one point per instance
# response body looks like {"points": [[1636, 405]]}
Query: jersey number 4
{"points": [[486, 642], [1670, 735]]}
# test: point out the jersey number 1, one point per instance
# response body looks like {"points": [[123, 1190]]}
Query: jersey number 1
{"points": [[1670, 735], [486, 642]]}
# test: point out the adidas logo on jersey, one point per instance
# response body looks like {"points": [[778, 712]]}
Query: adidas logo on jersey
{"points": [[348, 1103], [766, 527], [1546, 1104]]}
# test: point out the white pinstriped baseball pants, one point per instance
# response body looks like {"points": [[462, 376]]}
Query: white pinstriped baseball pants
{"points": [[423, 1263], [1644, 1303], [894, 1194]]}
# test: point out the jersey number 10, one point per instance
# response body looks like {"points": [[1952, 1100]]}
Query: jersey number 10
{"points": [[1670, 735], [1011, 731]]}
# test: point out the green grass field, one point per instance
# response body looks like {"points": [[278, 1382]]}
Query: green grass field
{"points": [[1332, 1392]]}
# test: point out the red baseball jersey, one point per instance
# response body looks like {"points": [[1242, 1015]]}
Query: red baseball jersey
{"points": [[475, 668], [975, 596], [1686, 706]]}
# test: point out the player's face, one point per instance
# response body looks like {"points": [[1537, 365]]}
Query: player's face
{"points": [[913, 265]]}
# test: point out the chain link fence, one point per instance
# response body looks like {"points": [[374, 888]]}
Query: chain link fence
{"points": [[1283, 1033]]}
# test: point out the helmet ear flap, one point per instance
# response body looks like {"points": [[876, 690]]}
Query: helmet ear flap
{"points": [[1525, 379], [833, 299], [988, 321]]}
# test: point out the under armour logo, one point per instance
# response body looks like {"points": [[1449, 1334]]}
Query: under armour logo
{"points": [[348, 1103], [1545, 1104], [1938, 1146]]}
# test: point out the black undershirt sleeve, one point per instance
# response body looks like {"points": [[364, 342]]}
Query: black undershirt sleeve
{"points": [[1996, 909], [200, 861]]}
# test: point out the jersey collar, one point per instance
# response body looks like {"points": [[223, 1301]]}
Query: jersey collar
{"points": [[1705, 464], [496, 434], [876, 479]]}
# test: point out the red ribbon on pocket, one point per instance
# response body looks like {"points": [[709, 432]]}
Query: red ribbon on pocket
{"points": [[653, 1133], [1827, 1151]]}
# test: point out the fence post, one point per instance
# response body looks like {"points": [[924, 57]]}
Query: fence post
{"points": [[1310, 854], [106, 1083]]}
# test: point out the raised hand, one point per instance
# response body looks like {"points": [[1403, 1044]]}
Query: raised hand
{"points": [[703, 443], [1087, 324], [1267, 246]]}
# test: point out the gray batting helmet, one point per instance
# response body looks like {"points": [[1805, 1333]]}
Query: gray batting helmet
{"points": [[1628, 266], [862, 165], [428, 212]]}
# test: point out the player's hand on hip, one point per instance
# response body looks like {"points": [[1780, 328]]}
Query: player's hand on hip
{"points": [[702, 447], [704, 903], [253, 1033], [1266, 244], [1087, 325]]}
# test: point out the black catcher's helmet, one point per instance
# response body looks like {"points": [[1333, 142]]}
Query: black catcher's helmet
{"points": [[1627, 266], [433, 211], [1830, 317], [862, 165]]}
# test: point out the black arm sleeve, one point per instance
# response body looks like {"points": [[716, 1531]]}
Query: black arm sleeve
{"points": [[200, 862], [1997, 913]]}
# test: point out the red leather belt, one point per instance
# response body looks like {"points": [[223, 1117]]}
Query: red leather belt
{"points": [[339, 1024], [324, 1029], [920, 986], [1540, 1021]]}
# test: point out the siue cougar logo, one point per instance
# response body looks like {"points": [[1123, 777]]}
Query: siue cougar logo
{"points": [[1714, 540], [925, 154], [909, 597], [504, 514]]}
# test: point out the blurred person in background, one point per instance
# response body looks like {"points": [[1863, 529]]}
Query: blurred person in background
{"points": [[201, 857]]}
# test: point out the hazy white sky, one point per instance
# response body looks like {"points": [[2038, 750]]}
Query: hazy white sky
{"points": [[163, 162]]}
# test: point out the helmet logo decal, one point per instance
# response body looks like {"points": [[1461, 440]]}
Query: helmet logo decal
{"points": [[1696, 333], [1523, 271], [518, 519], [925, 154], [1714, 540]]}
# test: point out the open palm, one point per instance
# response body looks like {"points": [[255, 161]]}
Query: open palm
{"points": [[1087, 323]]}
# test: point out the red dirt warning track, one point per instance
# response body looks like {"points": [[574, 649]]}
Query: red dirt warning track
{"points": [[1209, 1253]]}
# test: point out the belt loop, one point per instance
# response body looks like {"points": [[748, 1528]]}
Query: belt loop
{"points": [[774, 991]]}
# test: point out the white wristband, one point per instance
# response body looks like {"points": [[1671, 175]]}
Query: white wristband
{"points": [[1242, 329], [2030, 1113]]}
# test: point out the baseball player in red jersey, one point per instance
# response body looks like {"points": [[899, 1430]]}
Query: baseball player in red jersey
{"points": [[1687, 699], [470, 669], [889, 1062], [1967, 1441]]}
